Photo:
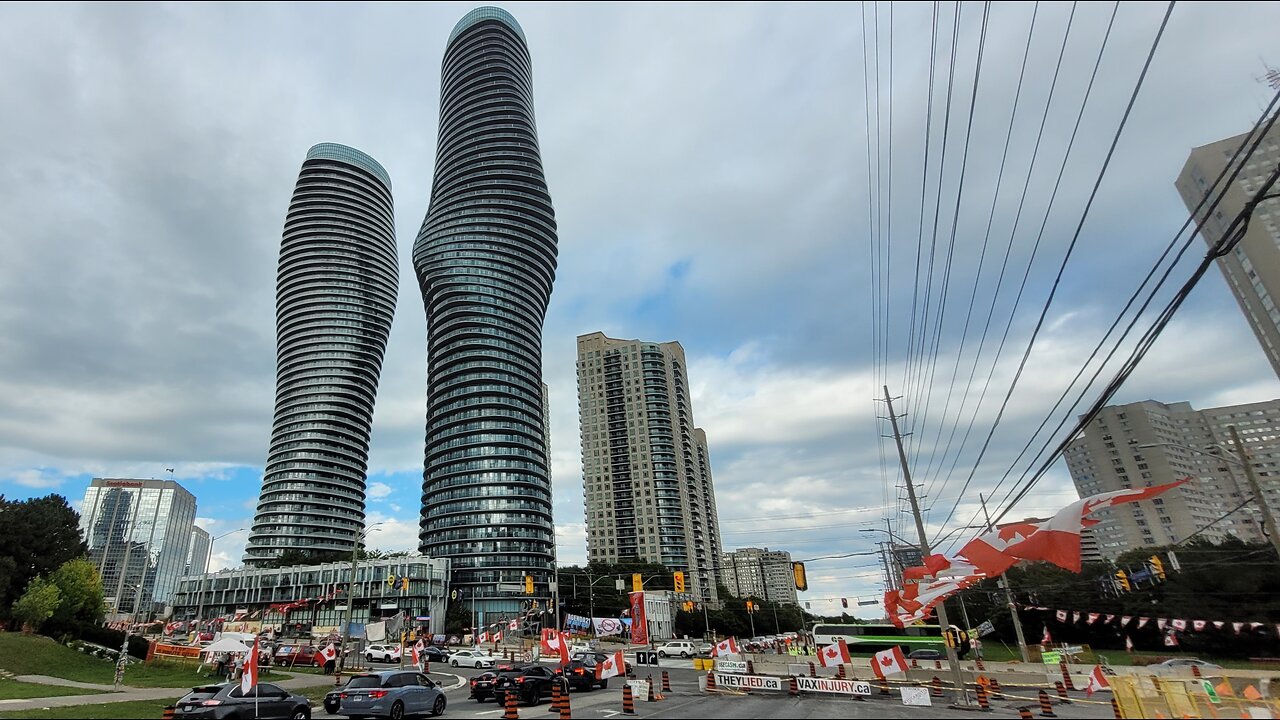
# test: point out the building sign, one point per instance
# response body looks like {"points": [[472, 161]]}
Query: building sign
{"points": [[732, 666], [639, 623], [831, 685], [750, 682], [123, 483]]}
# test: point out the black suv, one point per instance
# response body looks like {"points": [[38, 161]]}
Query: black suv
{"points": [[581, 673], [225, 701], [482, 685], [599, 657], [530, 683]]}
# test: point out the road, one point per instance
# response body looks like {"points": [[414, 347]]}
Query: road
{"points": [[686, 701]]}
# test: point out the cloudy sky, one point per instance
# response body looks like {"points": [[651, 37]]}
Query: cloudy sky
{"points": [[709, 166]]}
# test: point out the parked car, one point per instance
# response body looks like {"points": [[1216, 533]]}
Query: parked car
{"points": [[1188, 663], [472, 658], [925, 654], [216, 702], [683, 648], [581, 673], [704, 650], [530, 683], [599, 657], [391, 694], [384, 653], [482, 686], [298, 655]]}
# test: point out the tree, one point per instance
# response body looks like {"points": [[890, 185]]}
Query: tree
{"points": [[457, 617], [37, 604], [292, 557], [36, 537], [82, 597]]}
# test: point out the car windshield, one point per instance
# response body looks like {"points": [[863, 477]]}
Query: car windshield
{"points": [[365, 681]]}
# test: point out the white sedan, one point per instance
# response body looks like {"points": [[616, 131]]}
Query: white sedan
{"points": [[472, 658]]}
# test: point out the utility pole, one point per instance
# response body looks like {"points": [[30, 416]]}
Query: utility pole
{"points": [[764, 583], [1268, 522], [962, 695], [1003, 582]]}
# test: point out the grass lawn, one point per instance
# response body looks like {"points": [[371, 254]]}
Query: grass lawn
{"points": [[14, 690], [314, 693], [132, 710], [39, 655]]}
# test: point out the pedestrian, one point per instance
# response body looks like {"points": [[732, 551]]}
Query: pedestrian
{"points": [[330, 664], [239, 667], [220, 665]]}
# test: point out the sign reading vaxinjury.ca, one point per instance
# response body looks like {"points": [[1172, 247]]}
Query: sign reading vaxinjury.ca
{"points": [[731, 666], [831, 685], [748, 682]]}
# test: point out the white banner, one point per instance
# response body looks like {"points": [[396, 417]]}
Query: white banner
{"points": [[375, 632], [750, 682], [916, 696], [607, 626], [831, 685], [732, 666]]}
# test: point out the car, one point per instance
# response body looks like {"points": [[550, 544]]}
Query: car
{"points": [[391, 694], [298, 655], [1188, 663], [580, 674], [482, 686], [333, 700], [472, 658], [925, 654], [579, 648], [530, 683], [384, 653], [599, 657], [683, 648], [435, 653], [224, 700]]}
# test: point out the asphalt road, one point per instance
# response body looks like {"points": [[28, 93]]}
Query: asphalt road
{"points": [[685, 701]]}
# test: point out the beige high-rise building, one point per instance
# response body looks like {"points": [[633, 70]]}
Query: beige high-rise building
{"points": [[1252, 268], [1151, 443], [759, 573], [646, 471]]}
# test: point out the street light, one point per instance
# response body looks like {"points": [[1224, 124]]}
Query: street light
{"points": [[351, 595], [200, 590], [1239, 457]]}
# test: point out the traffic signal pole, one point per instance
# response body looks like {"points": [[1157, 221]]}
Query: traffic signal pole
{"points": [[961, 694]]}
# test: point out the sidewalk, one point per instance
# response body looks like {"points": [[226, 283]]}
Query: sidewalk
{"points": [[131, 693]]}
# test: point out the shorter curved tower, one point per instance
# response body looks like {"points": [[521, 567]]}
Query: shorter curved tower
{"points": [[335, 298]]}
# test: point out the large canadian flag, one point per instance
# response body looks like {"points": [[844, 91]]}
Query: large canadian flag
{"points": [[728, 646], [483, 637], [989, 552], [1097, 681], [418, 648], [613, 665], [497, 637], [329, 653], [250, 676], [889, 662], [554, 642], [835, 654]]}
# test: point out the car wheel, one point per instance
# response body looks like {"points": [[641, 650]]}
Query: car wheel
{"points": [[386, 659], [478, 663], [454, 663], [369, 658], [662, 653], [437, 708], [397, 711], [302, 713], [684, 655], [533, 697]]}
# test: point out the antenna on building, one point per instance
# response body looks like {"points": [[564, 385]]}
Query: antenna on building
{"points": [[1271, 77]]}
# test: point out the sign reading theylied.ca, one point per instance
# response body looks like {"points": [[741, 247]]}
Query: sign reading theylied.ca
{"points": [[748, 682], [732, 666], [831, 685]]}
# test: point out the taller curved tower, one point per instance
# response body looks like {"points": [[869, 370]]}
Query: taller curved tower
{"points": [[335, 297], [485, 260]]}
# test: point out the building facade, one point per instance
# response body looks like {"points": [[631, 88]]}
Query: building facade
{"points": [[1252, 268], [646, 470], [1151, 443], [335, 297], [316, 596], [485, 259], [759, 573], [198, 553], [139, 536]]}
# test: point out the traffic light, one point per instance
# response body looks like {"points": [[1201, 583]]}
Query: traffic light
{"points": [[1157, 567], [637, 583], [751, 607], [528, 584], [1122, 579], [844, 602], [404, 583], [797, 571], [679, 580]]}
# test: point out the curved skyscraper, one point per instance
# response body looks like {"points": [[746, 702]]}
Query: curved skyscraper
{"points": [[485, 260], [335, 297]]}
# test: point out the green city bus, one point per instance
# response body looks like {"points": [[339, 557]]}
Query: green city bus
{"points": [[871, 639]]}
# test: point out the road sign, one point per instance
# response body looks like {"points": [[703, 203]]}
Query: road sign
{"points": [[731, 666], [833, 685], [1211, 691], [1051, 658], [749, 682], [646, 657]]}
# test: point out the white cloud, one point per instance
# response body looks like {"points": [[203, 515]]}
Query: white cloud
{"points": [[377, 490], [38, 479]]}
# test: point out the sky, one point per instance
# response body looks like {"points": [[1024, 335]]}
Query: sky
{"points": [[722, 175]]}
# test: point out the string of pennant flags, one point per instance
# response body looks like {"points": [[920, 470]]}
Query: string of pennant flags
{"points": [[1073, 617]]}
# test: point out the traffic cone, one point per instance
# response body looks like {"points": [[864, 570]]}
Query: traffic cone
{"points": [[884, 685], [509, 707], [981, 667], [1115, 709], [1195, 670], [1062, 693], [1066, 675], [914, 665], [936, 687], [1024, 713], [995, 689], [840, 671], [168, 712], [628, 702], [555, 697], [1046, 709], [711, 681], [982, 698], [426, 666], [751, 668], [937, 664], [565, 712], [648, 680], [813, 671], [666, 682], [793, 687]]}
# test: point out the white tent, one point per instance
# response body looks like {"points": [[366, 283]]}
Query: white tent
{"points": [[224, 645]]}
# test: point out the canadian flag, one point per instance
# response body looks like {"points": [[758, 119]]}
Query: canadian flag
{"points": [[888, 662], [1236, 626], [1091, 619], [250, 677], [1161, 622], [1108, 619], [497, 637], [1057, 540], [613, 665], [1171, 638], [1075, 616], [1061, 615], [835, 654], [1179, 624], [1097, 681], [728, 646], [514, 625], [483, 637], [418, 648], [1046, 639], [989, 552], [1124, 620], [553, 643], [1217, 624], [1142, 622], [329, 653], [1198, 625]]}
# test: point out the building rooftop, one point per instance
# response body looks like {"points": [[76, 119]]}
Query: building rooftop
{"points": [[351, 156], [480, 14]]}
